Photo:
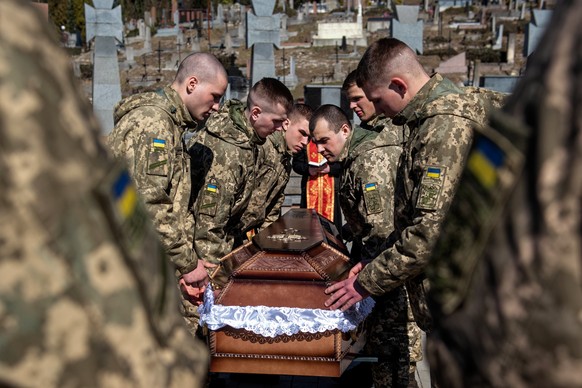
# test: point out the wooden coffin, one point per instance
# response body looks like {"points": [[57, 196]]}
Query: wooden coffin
{"points": [[288, 264]]}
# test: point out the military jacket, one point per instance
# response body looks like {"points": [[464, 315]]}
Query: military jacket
{"points": [[87, 296], [225, 160], [149, 134], [272, 178], [440, 120], [507, 289], [369, 162]]}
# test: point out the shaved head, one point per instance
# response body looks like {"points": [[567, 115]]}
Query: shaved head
{"points": [[202, 65]]}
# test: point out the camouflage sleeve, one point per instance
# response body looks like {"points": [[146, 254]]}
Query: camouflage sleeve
{"points": [[375, 173], [442, 149], [215, 198], [274, 208], [144, 137]]}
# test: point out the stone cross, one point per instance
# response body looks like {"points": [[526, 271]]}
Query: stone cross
{"points": [[105, 26], [262, 35]]}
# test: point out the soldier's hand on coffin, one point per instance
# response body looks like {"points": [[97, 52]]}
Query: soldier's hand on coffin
{"points": [[199, 276], [345, 294], [357, 268], [194, 294]]}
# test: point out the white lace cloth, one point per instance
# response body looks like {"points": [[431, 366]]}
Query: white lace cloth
{"points": [[274, 321]]}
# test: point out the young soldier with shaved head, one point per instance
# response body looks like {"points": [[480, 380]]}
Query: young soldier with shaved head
{"points": [[149, 134], [440, 117]]}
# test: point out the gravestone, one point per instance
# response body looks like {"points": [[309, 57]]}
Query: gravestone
{"points": [[535, 29], [219, 20], [105, 26], [147, 43], [290, 80], [511, 48], [499, 40], [407, 27], [456, 64], [499, 83], [332, 33], [262, 37]]}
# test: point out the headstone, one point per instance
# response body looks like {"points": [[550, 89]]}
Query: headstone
{"points": [[180, 38], [219, 20], [499, 40], [407, 27], [511, 48], [103, 21], [147, 18], [147, 44], [300, 15], [105, 26], [176, 18], [290, 80], [129, 55], [456, 64], [262, 36], [331, 33], [77, 69], [141, 28], [283, 29], [228, 43], [504, 84], [535, 29]]}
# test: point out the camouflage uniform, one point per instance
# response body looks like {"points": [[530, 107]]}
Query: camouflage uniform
{"points": [[369, 161], [84, 288], [149, 134], [225, 160], [440, 120], [265, 204], [507, 291]]}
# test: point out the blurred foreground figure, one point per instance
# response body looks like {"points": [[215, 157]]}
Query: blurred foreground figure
{"points": [[507, 271], [84, 285]]}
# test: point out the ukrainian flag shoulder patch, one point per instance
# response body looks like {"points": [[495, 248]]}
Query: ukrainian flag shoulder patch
{"points": [[159, 143], [124, 194], [370, 186]]}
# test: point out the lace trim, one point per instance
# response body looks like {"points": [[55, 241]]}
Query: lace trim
{"points": [[275, 321]]}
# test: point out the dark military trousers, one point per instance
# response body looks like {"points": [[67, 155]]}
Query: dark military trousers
{"points": [[388, 338]]}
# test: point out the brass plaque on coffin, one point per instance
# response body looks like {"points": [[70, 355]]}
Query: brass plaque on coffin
{"points": [[289, 264]]}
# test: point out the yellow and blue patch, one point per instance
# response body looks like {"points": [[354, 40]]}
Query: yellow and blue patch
{"points": [[159, 143], [370, 187], [124, 194], [484, 162], [212, 188], [433, 172]]}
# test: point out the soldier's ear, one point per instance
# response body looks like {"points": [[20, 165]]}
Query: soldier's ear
{"points": [[398, 85], [255, 112], [191, 83], [345, 129]]}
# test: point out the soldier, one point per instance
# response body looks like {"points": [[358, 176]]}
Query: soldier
{"points": [[225, 160], [85, 288], [149, 133], [440, 118], [507, 290], [369, 160], [361, 106], [265, 205]]}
